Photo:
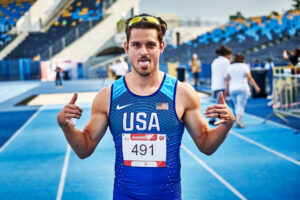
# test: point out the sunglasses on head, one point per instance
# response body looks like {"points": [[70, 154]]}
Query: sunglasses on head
{"points": [[150, 19]]}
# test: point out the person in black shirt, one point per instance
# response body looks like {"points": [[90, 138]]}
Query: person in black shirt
{"points": [[293, 57]]}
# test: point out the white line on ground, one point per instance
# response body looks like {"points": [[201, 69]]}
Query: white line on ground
{"points": [[20, 129], [201, 162], [265, 148], [63, 174], [270, 121], [207, 100]]}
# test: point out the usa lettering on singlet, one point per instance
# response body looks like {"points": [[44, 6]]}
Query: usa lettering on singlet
{"points": [[147, 135]]}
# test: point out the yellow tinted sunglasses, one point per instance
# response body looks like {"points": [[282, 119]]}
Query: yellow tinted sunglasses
{"points": [[147, 18]]}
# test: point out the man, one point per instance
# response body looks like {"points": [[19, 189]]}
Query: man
{"points": [[121, 68], [58, 81], [269, 66], [219, 68], [293, 57], [195, 65], [146, 112]]}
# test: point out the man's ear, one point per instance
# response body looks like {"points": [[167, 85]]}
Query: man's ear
{"points": [[162, 46], [126, 46]]}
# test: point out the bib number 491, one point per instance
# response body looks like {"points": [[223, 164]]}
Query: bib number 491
{"points": [[144, 150]]}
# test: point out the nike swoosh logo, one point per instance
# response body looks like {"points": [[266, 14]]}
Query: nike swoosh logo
{"points": [[121, 107]]}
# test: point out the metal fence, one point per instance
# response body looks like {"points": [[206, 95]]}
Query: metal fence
{"points": [[286, 93]]}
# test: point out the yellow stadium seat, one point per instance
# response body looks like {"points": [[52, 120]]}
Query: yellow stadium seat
{"points": [[66, 13], [84, 11], [56, 23]]}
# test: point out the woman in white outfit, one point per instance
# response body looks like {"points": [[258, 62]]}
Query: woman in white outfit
{"points": [[238, 75]]}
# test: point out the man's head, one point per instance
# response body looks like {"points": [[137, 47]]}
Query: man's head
{"points": [[145, 43], [224, 51], [297, 51], [145, 21]]}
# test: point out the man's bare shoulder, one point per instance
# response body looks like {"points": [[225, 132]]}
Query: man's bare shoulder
{"points": [[101, 101], [187, 95]]}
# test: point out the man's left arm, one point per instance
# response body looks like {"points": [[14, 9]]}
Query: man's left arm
{"points": [[207, 140]]}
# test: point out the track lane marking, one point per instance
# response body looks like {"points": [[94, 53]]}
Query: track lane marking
{"points": [[20, 129], [63, 174], [215, 174], [265, 148]]}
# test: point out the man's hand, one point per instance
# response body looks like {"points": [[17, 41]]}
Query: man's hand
{"points": [[68, 112], [220, 111]]}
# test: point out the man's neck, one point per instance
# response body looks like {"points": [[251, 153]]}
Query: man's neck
{"points": [[144, 85]]}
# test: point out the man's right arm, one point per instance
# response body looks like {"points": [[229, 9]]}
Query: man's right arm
{"points": [[84, 142]]}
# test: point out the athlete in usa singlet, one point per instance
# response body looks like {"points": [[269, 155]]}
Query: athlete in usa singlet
{"points": [[147, 135]]}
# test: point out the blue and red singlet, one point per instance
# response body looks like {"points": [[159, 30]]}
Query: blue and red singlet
{"points": [[147, 135]]}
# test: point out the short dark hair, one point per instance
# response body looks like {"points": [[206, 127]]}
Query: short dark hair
{"points": [[144, 24], [223, 51], [297, 51], [239, 58]]}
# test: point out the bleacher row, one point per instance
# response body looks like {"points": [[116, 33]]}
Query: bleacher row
{"points": [[260, 37], [10, 12], [73, 22], [243, 36], [80, 14]]}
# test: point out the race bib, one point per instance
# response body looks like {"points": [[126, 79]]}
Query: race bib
{"points": [[144, 150]]}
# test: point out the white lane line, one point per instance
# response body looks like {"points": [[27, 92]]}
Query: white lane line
{"points": [[201, 162], [265, 148], [208, 101], [271, 122], [63, 174], [20, 129]]}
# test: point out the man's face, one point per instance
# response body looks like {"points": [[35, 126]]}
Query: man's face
{"points": [[144, 50]]}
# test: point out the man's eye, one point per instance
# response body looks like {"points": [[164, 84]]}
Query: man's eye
{"points": [[136, 44], [151, 44]]}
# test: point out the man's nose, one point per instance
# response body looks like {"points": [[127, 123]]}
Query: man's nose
{"points": [[144, 50]]}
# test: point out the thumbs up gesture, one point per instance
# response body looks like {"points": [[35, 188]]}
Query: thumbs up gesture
{"points": [[220, 111], [68, 112]]}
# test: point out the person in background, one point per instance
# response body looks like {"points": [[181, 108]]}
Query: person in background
{"points": [[238, 75], [218, 73], [269, 66], [293, 57], [58, 81], [255, 63], [195, 65], [112, 68], [121, 68]]}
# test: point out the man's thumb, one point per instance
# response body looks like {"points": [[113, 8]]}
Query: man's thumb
{"points": [[74, 98], [221, 98]]}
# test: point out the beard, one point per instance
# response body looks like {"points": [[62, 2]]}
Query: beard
{"points": [[140, 72]]}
